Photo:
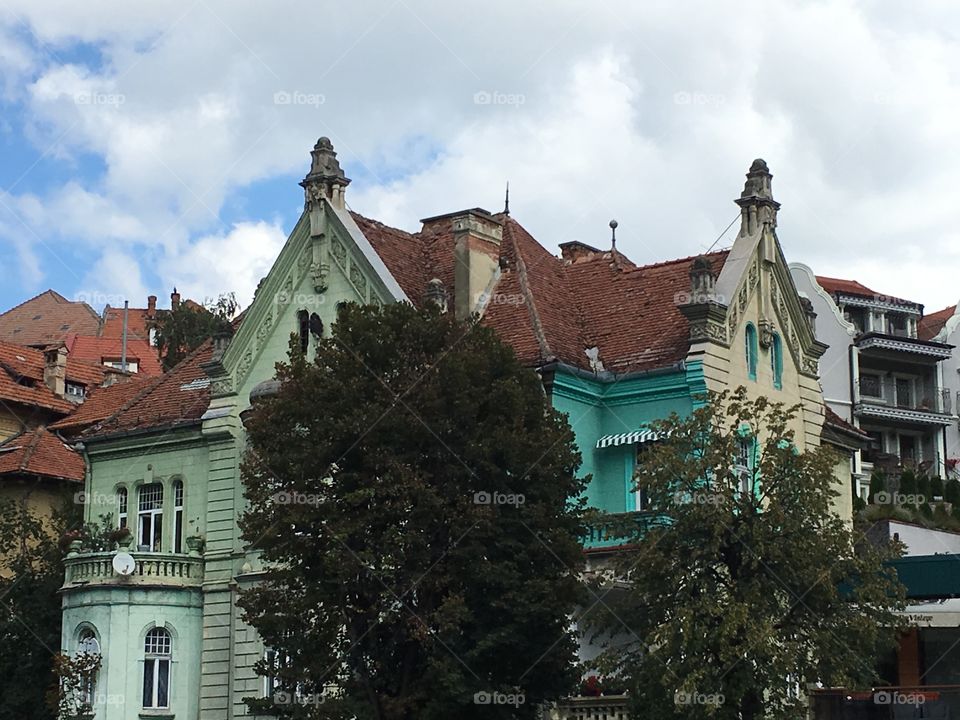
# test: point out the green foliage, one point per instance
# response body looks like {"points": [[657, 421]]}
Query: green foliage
{"points": [[951, 491], [182, 330], [68, 696], [908, 483], [878, 484], [737, 591], [936, 487], [31, 573], [96, 537], [388, 577], [923, 487]]}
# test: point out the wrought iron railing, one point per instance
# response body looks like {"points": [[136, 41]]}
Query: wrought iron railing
{"points": [[874, 390]]}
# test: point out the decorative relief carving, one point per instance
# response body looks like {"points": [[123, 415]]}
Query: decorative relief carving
{"points": [[359, 280], [221, 387], [339, 253], [742, 299], [243, 367], [708, 331], [303, 262]]}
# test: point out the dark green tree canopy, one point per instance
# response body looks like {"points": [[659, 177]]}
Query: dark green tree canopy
{"points": [[750, 587], [416, 503], [183, 329]]}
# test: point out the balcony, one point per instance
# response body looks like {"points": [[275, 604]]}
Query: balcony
{"points": [[899, 343], [902, 400], [151, 569], [604, 707], [612, 530]]}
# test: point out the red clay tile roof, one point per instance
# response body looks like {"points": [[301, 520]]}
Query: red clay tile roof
{"points": [[851, 287], [103, 403], [933, 323], [551, 309], [137, 323], [29, 362], [40, 452], [179, 397], [101, 349], [47, 318], [832, 418]]}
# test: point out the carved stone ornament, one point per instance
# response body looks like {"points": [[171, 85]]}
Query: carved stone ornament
{"points": [[319, 272], [766, 334]]}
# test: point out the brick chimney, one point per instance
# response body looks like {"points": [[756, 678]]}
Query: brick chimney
{"points": [[575, 250], [55, 370], [476, 251], [174, 299], [151, 306]]}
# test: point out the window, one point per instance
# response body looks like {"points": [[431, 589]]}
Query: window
{"points": [[743, 467], [303, 323], [74, 390], [870, 386], [150, 517], [88, 645], [178, 516], [904, 387], [750, 350], [776, 361], [641, 500], [122, 507], [157, 648]]}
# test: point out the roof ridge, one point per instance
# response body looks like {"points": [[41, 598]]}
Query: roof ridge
{"points": [[678, 261], [31, 448], [535, 321]]}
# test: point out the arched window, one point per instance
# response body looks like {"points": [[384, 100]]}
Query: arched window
{"points": [[157, 654], [150, 517], [122, 507], [750, 350], [88, 644], [178, 516], [776, 361]]}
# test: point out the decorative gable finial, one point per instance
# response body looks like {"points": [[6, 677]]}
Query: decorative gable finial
{"points": [[436, 293], [757, 206], [326, 178], [703, 283]]}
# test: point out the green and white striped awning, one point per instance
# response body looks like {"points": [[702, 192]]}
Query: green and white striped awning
{"points": [[638, 436]]}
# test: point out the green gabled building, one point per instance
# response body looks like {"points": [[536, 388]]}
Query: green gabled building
{"points": [[616, 344]]}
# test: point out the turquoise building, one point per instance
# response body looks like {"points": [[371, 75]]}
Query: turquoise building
{"points": [[616, 344]]}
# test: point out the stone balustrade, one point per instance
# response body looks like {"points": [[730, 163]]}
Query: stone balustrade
{"points": [[166, 569]]}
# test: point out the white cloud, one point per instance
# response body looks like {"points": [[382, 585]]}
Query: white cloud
{"points": [[630, 110]]}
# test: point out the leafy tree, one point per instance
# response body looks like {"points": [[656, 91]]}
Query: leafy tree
{"points": [[183, 329], [951, 492], [878, 484], [936, 487], [750, 588], [415, 500], [31, 573]]}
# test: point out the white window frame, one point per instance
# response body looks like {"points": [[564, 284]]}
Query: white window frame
{"points": [[178, 516], [123, 507], [151, 517], [157, 653], [89, 643]]}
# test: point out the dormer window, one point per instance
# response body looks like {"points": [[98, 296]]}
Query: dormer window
{"points": [[75, 391]]}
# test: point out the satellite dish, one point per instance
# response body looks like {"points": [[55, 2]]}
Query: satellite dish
{"points": [[124, 563]]}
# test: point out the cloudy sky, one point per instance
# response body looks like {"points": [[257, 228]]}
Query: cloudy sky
{"points": [[147, 145]]}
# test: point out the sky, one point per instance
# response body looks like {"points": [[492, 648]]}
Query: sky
{"points": [[150, 145]]}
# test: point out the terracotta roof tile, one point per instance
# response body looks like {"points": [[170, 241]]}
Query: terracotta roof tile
{"points": [[851, 287], [933, 323], [102, 349], [137, 323], [103, 403], [179, 397], [40, 452], [29, 362], [47, 318]]}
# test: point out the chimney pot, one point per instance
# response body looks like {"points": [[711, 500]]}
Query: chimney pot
{"points": [[55, 370], [151, 305]]}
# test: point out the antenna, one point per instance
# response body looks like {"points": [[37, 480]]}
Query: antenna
{"points": [[506, 200]]}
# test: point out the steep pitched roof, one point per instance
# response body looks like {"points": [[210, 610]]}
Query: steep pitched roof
{"points": [[28, 362], [930, 325], [138, 320], [549, 308], [40, 452], [178, 398], [102, 349], [836, 286], [47, 318]]}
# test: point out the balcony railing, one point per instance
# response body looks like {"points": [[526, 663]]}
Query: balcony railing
{"points": [[618, 529], [166, 569], [604, 707]]}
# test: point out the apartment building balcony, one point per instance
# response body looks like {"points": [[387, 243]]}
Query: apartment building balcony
{"points": [[602, 707], [902, 399], [899, 343], [173, 570]]}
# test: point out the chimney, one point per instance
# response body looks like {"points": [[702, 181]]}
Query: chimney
{"points": [[476, 251], [757, 206], [703, 283], [326, 178], [55, 370], [575, 250], [151, 306], [174, 299]]}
